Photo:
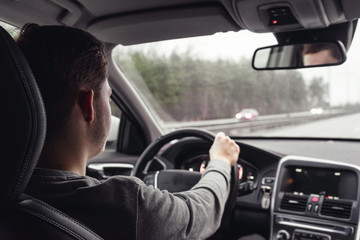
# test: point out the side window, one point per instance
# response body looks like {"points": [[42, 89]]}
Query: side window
{"points": [[114, 127], [13, 31]]}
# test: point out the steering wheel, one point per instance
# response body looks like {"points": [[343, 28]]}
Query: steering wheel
{"points": [[175, 180]]}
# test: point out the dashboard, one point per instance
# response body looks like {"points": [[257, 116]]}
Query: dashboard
{"points": [[299, 197], [315, 199], [247, 171], [280, 195]]}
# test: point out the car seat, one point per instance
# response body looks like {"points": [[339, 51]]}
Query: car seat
{"points": [[22, 132]]}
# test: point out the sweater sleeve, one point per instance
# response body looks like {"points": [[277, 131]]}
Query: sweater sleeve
{"points": [[193, 214]]}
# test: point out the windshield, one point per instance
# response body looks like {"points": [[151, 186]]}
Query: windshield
{"points": [[208, 82]]}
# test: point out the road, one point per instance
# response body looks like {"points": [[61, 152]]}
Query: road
{"points": [[338, 127]]}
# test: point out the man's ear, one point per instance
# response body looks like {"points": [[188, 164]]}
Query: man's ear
{"points": [[86, 104]]}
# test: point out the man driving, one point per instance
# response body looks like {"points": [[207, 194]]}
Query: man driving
{"points": [[70, 67]]}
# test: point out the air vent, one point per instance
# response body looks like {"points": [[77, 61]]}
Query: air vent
{"points": [[336, 208], [294, 202]]}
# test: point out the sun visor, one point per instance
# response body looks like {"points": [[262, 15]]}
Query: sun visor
{"points": [[163, 24]]}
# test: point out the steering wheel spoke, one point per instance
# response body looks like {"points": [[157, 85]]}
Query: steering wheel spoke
{"points": [[157, 163], [168, 164]]}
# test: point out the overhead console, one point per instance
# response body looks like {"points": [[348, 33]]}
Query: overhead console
{"points": [[279, 16], [315, 199]]}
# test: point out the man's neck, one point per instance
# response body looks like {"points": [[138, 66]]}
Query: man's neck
{"points": [[63, 156]]}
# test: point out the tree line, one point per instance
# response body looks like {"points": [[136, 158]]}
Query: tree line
{"points": [[189, 88]]}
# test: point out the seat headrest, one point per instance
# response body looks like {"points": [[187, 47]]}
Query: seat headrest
{"points": [[23, 122]]}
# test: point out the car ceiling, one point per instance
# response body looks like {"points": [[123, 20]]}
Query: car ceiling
{"points": [[136, 21]]}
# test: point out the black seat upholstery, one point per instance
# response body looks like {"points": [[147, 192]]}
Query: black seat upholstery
{"points": [[22, 133]]}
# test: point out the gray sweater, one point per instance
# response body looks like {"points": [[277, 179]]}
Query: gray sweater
{"points": [[125, 208]]}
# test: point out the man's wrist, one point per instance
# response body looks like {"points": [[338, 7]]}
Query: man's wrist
{"points": [[220, 164]]}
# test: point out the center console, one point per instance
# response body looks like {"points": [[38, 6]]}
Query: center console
{"points": [[315, 199]]}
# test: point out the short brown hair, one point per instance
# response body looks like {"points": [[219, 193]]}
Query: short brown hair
{"points": [[63, 60]]}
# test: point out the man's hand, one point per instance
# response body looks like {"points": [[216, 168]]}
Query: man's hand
{"points": [[225, 149]]}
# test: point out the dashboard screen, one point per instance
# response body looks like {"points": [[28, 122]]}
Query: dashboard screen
{"points": [[332, 183]]}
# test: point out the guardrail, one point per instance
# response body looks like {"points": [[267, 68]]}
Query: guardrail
{"points": [[261, 123]]}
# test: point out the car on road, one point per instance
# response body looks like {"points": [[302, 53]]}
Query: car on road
{"points": [[247, 114], [188, 65], [316, 110]]}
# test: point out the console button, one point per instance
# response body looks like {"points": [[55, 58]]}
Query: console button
{"points": [[316, 208], [315, 199], [309, 207], [282, 235], [303, 235]]}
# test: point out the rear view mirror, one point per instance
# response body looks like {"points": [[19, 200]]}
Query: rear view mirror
{"points": [[299, 55]]}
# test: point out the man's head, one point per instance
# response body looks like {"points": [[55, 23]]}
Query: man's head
{"points": [[70, 67], [320, 53]]}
